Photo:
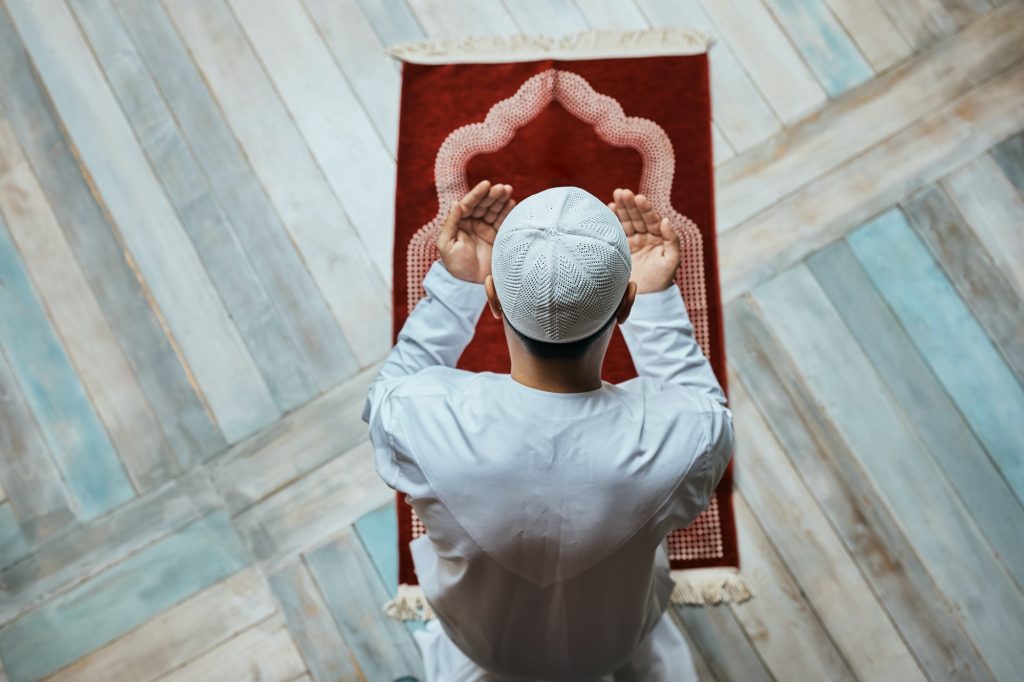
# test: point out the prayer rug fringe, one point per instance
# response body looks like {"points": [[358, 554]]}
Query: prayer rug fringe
{"points": [[694, 587], [597, 44]]}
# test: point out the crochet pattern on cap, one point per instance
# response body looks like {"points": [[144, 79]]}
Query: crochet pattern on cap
{"points": [[611, 125]]}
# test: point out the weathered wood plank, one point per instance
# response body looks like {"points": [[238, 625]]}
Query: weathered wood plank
{"points": [[987, 601], [1009, 154], [807, 543], [879, 40], [774, 66], [974, 374], [547, 17], [393, 21], [740, 111], [921, 21], [332, 249], [38, 498], [13, 544], [966, 11], [77, 440], [219, 248], [281, 269], [440, 18], [146, 220], [882, 176], [612, 14], [179, 634], [939, 424], [753, 182], [293, 446], [101, 364], [780, 623], [721, 150], [700, 664], [325, 110], [161, 375], [323, 502], [723, 645], [120, 599], [317, 635], [354, 594], [834, 477], [263, 653], [373, 74], [969, 266], [75, 557], [830, 53], [995, 211]]}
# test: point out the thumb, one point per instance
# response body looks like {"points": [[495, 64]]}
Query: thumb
{"points": [[671, 239], [450, 226]]}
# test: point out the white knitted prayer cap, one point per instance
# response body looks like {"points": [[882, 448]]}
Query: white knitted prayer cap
{"points": [[560, 265]]}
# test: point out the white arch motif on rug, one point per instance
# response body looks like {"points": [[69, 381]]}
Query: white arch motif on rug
{"points": [[611, 125]]}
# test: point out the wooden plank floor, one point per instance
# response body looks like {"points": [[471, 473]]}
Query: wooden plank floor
{"points": [[194, 300]]}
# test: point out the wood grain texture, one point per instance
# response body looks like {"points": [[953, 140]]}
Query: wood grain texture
{"points": [[827, 49], [354, 594], [311, 624], [216, 353], [966, 11], [612, 14], [323, 502], [1009, 154], [77, 317], [67, 420], [948, 336], [70, 560], [704, 673], [284, 276], [776, 68], [13, 544], [440, 18], [828, 207], [921, 21], [219, 248], [971, 269], [374, 75], [995, 211], [714, 632], [781, 624], [917, 88], [872, 30], [740, 111], [263, 653], [985, 598], [179, 634], [120, 599], [871, 534], [352, 286], [162, 376], [295, 445], [772, 487], [393, 20], [38, 499], [328, 115], [939, 424]]}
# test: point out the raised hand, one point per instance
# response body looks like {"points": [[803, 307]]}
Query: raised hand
{"points": [[468, 232], [653, 244]]}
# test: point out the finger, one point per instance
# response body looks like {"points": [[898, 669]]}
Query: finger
{"points": [[626, 226], [629, 201], [649, 216], [450, 226], [499, 204], [474, 196], [493, 195], [509, 205], [671, 238]]}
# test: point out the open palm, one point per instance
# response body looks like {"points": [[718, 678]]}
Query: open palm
{"points": [[653, 244], [467, 235]]}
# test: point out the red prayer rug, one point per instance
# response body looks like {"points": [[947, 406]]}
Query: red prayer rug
{"points": [[598, 110]]}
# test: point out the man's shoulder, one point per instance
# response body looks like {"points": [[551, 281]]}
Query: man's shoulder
{"points": [[671, 398], [436, 380]]}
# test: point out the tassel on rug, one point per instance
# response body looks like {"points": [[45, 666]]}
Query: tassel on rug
{"points": [[697, 587]]}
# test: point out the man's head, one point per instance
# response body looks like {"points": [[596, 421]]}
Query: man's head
{"points": [[560, 272]]}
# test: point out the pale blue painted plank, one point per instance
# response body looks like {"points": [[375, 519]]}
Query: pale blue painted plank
{"points": [[379, 532], [823, 42], [948, 336], [13, 545], [127, 595], [392, 20], [939, 424], [354, 593], [77, 440]]}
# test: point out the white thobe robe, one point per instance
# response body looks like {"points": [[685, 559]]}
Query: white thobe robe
{"points": [[546, 513]]}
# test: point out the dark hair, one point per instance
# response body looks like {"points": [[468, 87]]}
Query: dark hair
{"points": [[561, 351]]}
